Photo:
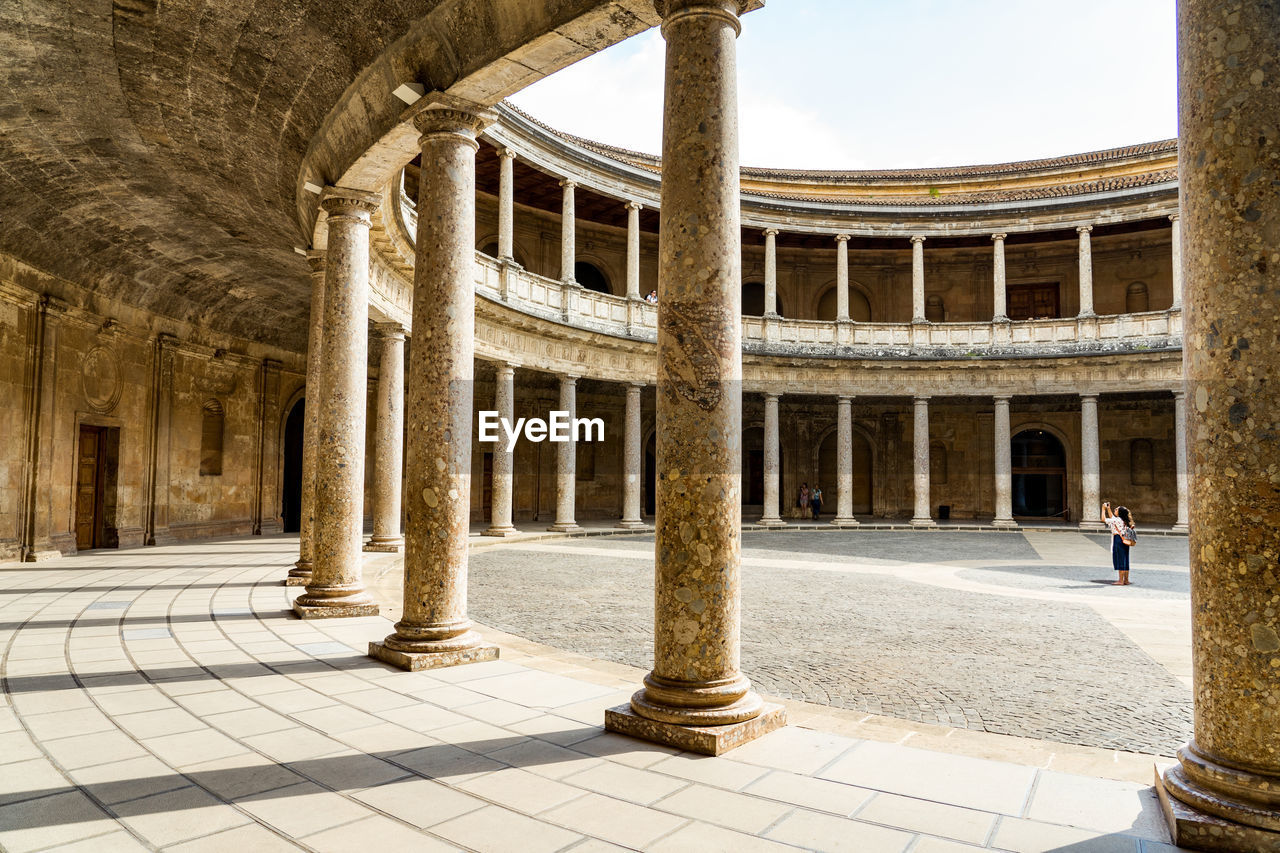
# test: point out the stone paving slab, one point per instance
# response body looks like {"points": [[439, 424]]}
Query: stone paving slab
{"points": [[514, 757]]}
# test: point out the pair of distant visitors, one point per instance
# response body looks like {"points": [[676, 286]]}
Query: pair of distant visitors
{"points": [[652, 298], [810, 500], [1123, 537]]}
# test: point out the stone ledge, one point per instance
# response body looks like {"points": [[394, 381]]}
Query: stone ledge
{"points": [[418, 661], [705, 740]]}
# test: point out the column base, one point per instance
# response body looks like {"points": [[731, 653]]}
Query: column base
{"points": [[565, 527], [1179, 528], [300, 574], [386, 545], [1091, 526], [41, 556], [630, 525], [844, 522], [704, 740], [771, 522], [418, 661], [1196, 830], [334, 611], [506, 530], [923, 522], [297, 580], [1005, 523]]}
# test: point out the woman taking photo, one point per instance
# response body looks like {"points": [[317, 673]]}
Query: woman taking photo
{"points": [[1123, 538]]}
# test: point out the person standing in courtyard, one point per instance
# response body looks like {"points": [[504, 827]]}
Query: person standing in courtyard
{"points": [[815, 501], [802, 502], [1123, 537]]}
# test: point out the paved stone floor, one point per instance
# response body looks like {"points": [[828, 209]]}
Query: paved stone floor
{"points": [[976, 630], [165, 698]]}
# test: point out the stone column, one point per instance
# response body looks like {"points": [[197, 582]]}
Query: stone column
{"points": [[1086, 272], [917, 279], [388, 438], [567, 462], [157, 532], [504, 403], [434, 630], [1180, 457], [568, 234], [300, 574], [920, 455], [506, 205], [633, 249], [844, 463], [842, 277], [336, 587], [696, 697], [771, 272], [1176, 245], [1004, 466], [1090, 467], [770, 517], [1225, 792], [632, 458], [39, 517], [1000, 314]]}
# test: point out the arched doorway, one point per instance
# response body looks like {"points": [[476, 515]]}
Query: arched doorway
{"points": [[753, 467], [591, 277], [1039, 475], [859, 307], [291, 487], [861, 474], [828, 469], [753, 299]]}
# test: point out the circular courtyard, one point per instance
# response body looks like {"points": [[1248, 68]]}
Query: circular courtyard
{"points": [[1012, 633]]}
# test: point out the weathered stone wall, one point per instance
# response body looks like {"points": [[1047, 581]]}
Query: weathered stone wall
{"points": [[70, 359]]}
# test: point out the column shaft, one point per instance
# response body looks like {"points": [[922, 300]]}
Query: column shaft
{"points": [[336, 587], [1225, 792], [388, 448], [504, 403], [567, 462], [696, 682], [1000, 312], [1176, 247], [844, 463], [917, 280], [770, 516], [301, 571], [568, 234], [631, 460], [435, 630], [506, 205], [633, 249], [1180, 457], [770, 272], [842, 277], [1085, 258], [1004, 467], [920, 456], [1090, 466]]}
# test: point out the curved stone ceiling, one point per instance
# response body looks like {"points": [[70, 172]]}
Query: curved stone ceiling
{"points": [[151, 151]]}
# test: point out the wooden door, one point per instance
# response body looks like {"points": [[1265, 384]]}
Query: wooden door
{"points": [[89, 488], [1033, 301]]}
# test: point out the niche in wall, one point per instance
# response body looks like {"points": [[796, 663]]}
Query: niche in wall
{"points": [[212, 422]]}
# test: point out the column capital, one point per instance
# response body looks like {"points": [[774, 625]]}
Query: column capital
{"points": [[1173, 217], [842, 238], [999, 235], [633, 205], [1002, 398], [441, 113], [917, 239], [770, 396], [1088, 398], [391, 331], [568, 183], [343, 201], [1084, 229], [315, 260], [639, 386], [845, 398], [921, 398], [1179, 393], [771, 232], [507, 153], [671, 10], [569, 378]]}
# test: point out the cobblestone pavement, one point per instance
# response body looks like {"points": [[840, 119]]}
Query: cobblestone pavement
{"points": [[1048, 669]]}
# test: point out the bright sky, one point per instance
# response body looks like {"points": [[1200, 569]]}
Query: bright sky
{"points": [[878, 84]]}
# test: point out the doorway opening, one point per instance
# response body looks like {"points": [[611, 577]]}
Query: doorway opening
{"points": [[1039, 475], [291, 487], [97, 472], [651, 474]]}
